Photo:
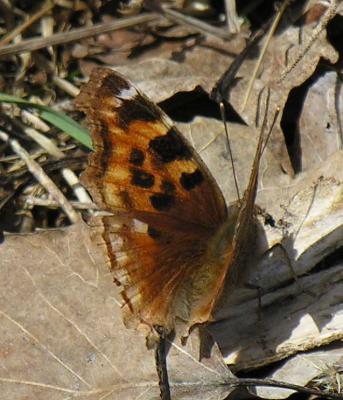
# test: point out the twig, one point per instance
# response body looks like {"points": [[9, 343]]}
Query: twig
{"points": [[221, 90], [200, 26], [48, 145], [76, 34], [68, 175], [316, 32], [244, 382], [32, 119], [19, 29], [49, 203], [74, 183], [41, 177], [66, 86]]}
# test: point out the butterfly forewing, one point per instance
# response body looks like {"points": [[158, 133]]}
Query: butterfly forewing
{"points": [[144, 164]]}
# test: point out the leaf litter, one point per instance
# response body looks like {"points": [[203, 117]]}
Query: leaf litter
{"points": [[62, 334]]}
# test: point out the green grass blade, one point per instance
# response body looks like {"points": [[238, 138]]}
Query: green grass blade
{"points": [[58, 119]]}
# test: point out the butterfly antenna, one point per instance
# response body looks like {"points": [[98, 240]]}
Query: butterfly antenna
{"points": [[223, 115], [250, 193], [262, 142], [277, 112]]}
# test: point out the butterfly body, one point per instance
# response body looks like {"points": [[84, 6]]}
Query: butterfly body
{"points": [[172, 242]]}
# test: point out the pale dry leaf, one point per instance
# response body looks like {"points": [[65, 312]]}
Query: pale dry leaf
{"points": [[160, 79], [61, 331], [162, 76], [295, 317], [320, 127], [317, 366], [208, 137]]}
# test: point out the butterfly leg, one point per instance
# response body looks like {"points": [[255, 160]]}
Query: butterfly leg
{"points": [[260, 293]]}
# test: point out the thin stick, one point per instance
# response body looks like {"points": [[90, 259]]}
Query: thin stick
{"points": [[316, 32], [76, 34], [263, 51], [49, 203], [161, 365], [244, 382], [221, 90]]}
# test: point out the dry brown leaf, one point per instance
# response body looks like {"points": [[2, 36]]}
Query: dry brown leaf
{"points": [[319, 127], [61, 331], [320, 366]]}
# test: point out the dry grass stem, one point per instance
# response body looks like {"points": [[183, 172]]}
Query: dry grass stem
{"points": [[38, 172], [76, 34]]}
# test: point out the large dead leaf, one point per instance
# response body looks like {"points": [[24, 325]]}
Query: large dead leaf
{"points": [[61, 331], [319, 127]]}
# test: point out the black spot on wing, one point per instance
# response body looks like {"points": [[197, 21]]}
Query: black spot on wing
{"points": [[153, 233], [137, 108], [136, 157], [141, 178], [167, 187], [162, 201], [170, 147], [190, 180]]}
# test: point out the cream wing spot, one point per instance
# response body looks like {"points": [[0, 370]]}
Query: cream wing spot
{"points": [[139, 226], [122, 258], [119, 174], [128, 94]]}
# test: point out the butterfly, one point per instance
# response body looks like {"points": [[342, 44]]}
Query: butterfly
{"points": [[171, 240]]}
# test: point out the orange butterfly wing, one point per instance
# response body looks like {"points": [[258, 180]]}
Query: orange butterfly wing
{"points": [[164, 241]]}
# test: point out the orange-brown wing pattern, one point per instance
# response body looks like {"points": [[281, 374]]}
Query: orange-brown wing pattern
{"points": [[142, 164], [167, 205]]}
